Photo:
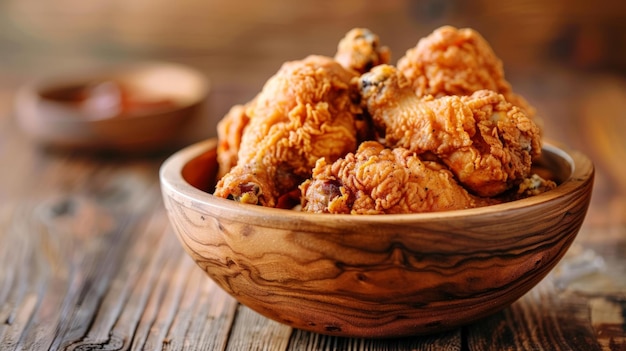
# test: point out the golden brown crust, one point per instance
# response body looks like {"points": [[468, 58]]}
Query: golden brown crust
{"points": [[487, 142], [229, 132], [448, 113], [360, 50], [453, 61], [377, 180], [304, 112]]}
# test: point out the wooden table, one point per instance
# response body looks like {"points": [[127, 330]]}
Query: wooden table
{"points": [[88, 259]]}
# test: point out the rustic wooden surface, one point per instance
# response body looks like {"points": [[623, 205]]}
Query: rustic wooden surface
{"points": [[88, 259]]}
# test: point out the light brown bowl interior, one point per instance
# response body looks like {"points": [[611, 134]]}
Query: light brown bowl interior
{"points": [[379, 275]]}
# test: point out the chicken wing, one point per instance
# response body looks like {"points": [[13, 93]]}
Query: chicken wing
{"points": [[360, 50], [304, 112], [377, 180], [453, 61], [486, 142]]}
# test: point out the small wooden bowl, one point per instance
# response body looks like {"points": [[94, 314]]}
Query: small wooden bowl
{"points": [[378, 275], [135, 107]]}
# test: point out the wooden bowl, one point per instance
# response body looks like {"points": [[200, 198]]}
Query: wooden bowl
{"points": [[377, 275], [133, 107]]}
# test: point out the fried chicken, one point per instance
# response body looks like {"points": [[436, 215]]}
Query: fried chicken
{"points": [[531, 186], [229, 133], [360, 50], [377, 180], [453, 61], [304, 112], [486, 142]]}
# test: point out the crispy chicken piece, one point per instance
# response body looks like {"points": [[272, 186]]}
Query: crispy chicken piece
{"points": [[360, 50], [485, 141], [533, 185], [304, 112], [229, 132], [453, 61], [377, 180]]}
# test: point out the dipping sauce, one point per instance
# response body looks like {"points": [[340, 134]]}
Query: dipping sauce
{"points": [[109, 99]]}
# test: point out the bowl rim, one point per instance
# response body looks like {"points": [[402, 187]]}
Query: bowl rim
{"points": [[173, 184], [30, 92]]}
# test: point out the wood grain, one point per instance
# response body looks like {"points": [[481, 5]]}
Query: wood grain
{"points": [[376, 276], [544, 323], [88, 259], [42, 276]]}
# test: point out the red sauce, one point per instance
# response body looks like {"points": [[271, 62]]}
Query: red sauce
{"points": [[108, 99]]}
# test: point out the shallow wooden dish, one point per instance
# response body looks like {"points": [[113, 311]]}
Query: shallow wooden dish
{"points": [[172, 95], [375, 276]]}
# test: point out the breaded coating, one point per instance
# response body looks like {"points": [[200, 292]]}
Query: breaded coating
{"points": [[229, 132], [453, 61], [304, 112], [377, 180], [443, 130], [486, 142], [360, 50], [533, 185]]}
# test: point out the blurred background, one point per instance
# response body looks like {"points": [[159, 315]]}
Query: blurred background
{"points": [[571, 51], [252, 38]]}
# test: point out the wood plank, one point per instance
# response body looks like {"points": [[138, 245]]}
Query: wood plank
{"points": [[448, 341], [205, 316], [253, 332], [147, 307], [542, 318], [27, 282], [608, 316], [117, 316], [134, 299], [603, 286]]}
